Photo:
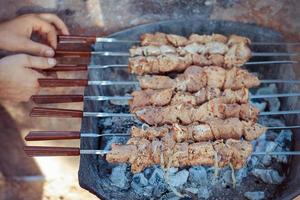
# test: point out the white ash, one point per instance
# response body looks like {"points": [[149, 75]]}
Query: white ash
{"points": [[261, 173], [270, 176], [257, 195], [178, 179], [273, 103], [203, 192], [260, 105], [198, 175], [118, 176]]}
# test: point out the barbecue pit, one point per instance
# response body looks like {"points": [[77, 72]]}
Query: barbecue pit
{"points": [[97, 176]]}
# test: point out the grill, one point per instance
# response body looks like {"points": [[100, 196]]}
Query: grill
{"points": [[95, 172]]}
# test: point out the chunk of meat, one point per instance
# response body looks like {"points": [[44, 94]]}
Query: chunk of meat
{"points": [[223, 153], [225, 129], [253, 131], [201, 154], [121, 153], [236, 39], [176, 40], [237, 55], [180, 156], [203, 39], [156, 82], [241, 152], [148, 97], [155, 39]]}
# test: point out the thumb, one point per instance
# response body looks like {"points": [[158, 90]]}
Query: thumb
{"points": [[36, 48], [39, 62]]}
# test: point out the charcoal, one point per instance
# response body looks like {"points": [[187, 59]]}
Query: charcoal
{"points": [[260, 105], [179, 178], [157, 177], [118, 176], [270, 176], [192, 190], [240, 174], [203, 192], [159, 189], [257, 195], [284, 137], [139, 179], [198, 175], [273, 103]]}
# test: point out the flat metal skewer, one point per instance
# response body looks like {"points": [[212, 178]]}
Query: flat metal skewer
{"points": [[137, 83], [78, 39], [71, 67], [66, 113], [48, 99], [66, 135], [64, 53], [74, 151]]}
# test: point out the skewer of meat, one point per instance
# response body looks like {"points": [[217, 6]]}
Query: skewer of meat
{"points": [[142, 153], [214, 129], [195, 78], [188, 114], [162, 97], [176, 53], [158, 39]]}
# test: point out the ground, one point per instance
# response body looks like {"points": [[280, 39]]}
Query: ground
{"points": [[100, 18]]}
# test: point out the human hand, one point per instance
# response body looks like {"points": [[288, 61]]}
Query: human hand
{"points": [[15, 34], [19, 78]]}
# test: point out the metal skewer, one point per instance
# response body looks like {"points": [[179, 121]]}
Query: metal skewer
{"points": [[53, 82], [71, 67], [73, 151], [64, 53], [63, 135], [66, 113], [47, 99], [77, 39]]}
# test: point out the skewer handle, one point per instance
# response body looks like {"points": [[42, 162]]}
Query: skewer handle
{"points": [[66, 68], [51, 151], [44, 99], [76, 39], [52, 135], [63, 53], [55, 112], [54, 82]]}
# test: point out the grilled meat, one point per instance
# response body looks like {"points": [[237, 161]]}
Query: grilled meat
{"points": [[156, 63], [158, 39], [187, 114], [142, 98], [162, 53], [214, 129], [168, 153], [195, 78]]}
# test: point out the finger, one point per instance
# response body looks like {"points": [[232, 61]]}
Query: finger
{"points": [[43, 27], [38, 62], [54, 19], [36, 48]]}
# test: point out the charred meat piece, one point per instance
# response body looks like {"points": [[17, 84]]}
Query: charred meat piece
{"points": [[195, 78], [183, 154]]}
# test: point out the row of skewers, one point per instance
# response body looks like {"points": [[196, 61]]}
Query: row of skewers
{"points": [[200, 117]]}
